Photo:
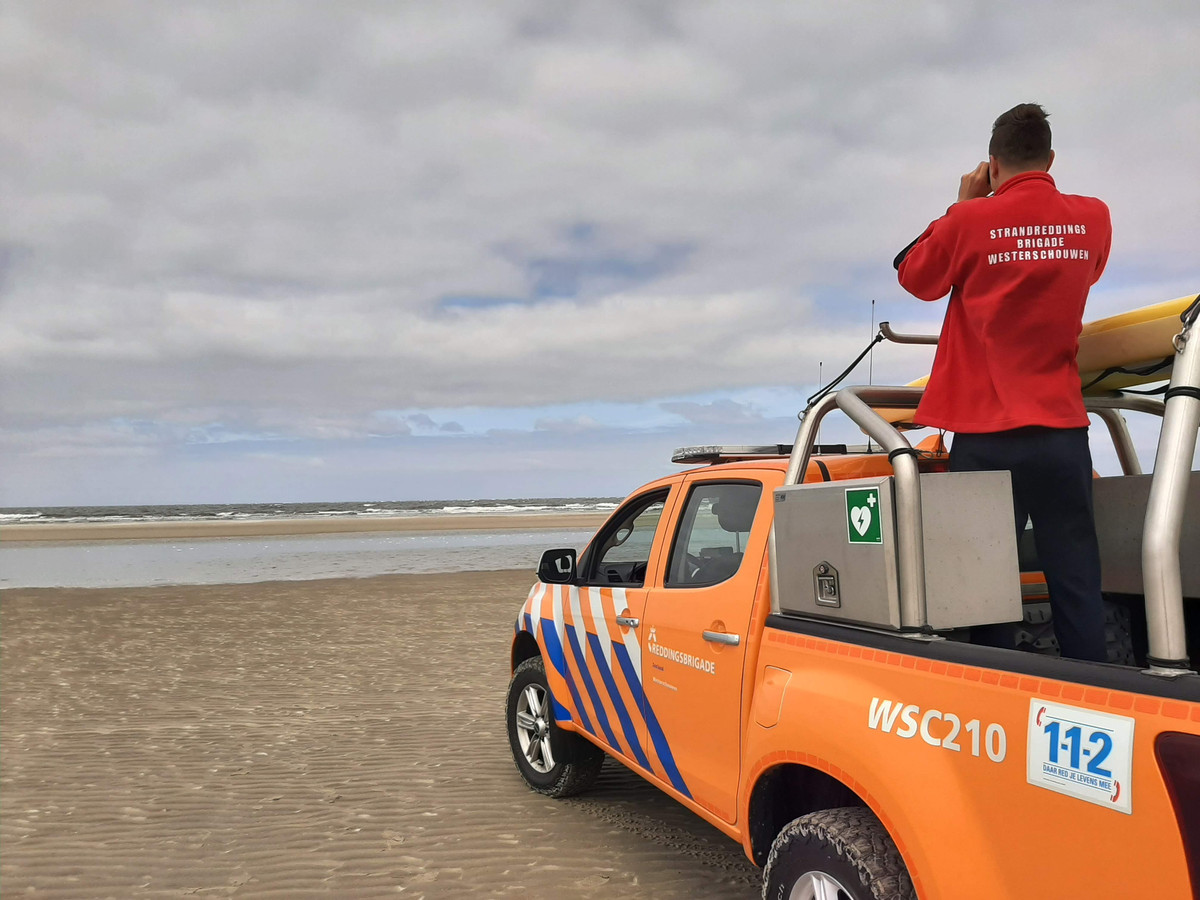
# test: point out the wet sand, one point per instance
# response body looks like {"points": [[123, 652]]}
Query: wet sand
{"points": [[217, 528], [342, 738]]}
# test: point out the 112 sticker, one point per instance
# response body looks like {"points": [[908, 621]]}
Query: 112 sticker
{"points": [[1081, 753]]}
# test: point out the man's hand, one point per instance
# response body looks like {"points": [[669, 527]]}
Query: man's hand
{"points": [[975, 183]]}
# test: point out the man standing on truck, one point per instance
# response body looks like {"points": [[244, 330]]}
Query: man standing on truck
{"points": [[1018, 258]]}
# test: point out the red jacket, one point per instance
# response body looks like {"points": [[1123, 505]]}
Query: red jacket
{"points": [[1018, 266]]}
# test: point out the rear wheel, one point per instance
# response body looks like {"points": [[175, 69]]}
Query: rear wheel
{"points": [[1118, 634], [1035, 632], [553, 762], [836, 854]]}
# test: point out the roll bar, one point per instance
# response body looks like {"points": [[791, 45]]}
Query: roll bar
{"points": [[1165, 507], [1164, 513], [856, 402], [1107, 407], [897, 337]]}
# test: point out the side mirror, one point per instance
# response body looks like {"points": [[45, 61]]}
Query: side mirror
{"points": [[557, 567]]}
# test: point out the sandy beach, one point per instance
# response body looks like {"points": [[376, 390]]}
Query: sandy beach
{"points": [[283, 739], [222, 528]]}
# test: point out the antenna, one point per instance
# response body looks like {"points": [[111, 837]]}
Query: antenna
{"points": [[871, 358], [871, 361], [820, 384]]}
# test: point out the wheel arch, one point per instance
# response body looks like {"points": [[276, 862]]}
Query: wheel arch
{"points": [[786, 792], [525, 646]]}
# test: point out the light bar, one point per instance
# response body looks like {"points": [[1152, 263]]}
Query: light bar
{"points": [[719, 453]]}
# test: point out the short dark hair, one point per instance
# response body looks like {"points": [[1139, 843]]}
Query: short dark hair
{"points": [[1021, 136]]}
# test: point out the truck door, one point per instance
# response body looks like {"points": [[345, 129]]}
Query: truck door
{"points": [[603, 623], [695, 634]]}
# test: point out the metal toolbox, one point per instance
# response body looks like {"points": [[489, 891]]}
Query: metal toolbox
{"points": [[1120, 520], [834, 551]]}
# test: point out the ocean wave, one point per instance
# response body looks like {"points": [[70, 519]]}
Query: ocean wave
{"points": [[268, 511], [19, 517]]}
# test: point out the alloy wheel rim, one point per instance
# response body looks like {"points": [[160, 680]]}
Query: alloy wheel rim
{"points": [[533, 728], [818, 886]]}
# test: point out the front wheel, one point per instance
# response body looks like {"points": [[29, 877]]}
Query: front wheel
{"points": [[553, 762], [836, 854]]}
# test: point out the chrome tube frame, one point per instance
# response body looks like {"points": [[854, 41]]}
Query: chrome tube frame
{"points": [[910, 524], [1118, 430], [1119, 400], [1165, 509], [1107, 408], [897, 337], [1164, 512], [806, 436], [856, 402], [885, 397]]}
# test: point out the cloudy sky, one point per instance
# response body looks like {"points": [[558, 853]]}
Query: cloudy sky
{"points": [[287, 251]]}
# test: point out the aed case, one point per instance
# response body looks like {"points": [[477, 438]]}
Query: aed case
{"points": [[971, 571]]}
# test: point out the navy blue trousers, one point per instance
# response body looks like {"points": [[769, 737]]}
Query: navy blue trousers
{"points": [[1052, 484]]}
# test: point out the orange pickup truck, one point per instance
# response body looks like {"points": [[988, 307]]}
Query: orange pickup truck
{"points": [[790, 658]]}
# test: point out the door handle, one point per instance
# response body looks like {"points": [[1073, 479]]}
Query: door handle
{"points": [[628, 621], [722, 637]]}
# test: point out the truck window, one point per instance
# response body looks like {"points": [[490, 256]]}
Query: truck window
{"points": [[712, 533], [623, 548]]}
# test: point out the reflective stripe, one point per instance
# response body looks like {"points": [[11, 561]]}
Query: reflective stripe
{"points": [[602, 653], [657, 738], [555, 650], [621, 605], [596, 602], [580, 653], [556, 611], [614, 693], [577, 624], [592, 651], [535, 606]]}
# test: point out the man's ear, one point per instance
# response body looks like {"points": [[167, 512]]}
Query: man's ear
{"points": [[1050, 161], [993, 172]]}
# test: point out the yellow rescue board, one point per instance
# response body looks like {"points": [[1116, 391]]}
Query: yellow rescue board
{"points": [[1137, 339], [1132, 340]]}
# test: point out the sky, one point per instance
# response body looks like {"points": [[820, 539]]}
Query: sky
{"points": [[306, 251]]}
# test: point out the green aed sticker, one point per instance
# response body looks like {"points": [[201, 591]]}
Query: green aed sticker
{"points": [[862, 516]]}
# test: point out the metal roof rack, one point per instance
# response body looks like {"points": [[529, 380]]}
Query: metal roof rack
{"points": [[721, 453]]}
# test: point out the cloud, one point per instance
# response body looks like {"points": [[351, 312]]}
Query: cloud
{"points": [[287, 459], [719, 412], [281, 223], [422, 421], [424, 424], [576, 425]]}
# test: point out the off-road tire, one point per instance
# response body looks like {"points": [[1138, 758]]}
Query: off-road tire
{"points": [[1118, 634], [576, 761], [1035, 632], [848, 845]]}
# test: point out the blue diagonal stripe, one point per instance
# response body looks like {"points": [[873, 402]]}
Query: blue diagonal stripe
{"points": [[631, 736], [661, 747], [559, 661], [601, 716]]}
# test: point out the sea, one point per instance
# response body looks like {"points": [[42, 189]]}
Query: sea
{"points": [[239, 560]]}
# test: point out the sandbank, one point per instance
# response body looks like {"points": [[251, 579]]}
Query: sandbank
{"points": [[217, 528]]}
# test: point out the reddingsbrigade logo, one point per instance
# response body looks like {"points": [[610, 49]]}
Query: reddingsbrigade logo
{"points": [[684, 659]]}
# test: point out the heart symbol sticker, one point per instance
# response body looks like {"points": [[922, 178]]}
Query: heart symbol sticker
{"points": [[860, 518]]}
